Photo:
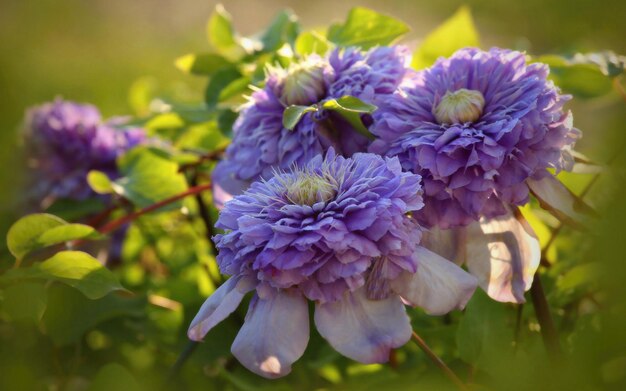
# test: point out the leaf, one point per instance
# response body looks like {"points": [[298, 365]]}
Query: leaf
{"points": [[25, 301], [366, 28], [578, 75], [114, 377], [205, 64], [310, 42], [293, 114], [149, 178], [283, 29], [453, 34], [225, 121], [220, 82], [73, 210], [351, 108], [141, 93], [99, 182], [74, 268], [36, 231], [69, 314], [221, 34]]}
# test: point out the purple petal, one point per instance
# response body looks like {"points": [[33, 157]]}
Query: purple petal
{"points": [[439, 286], [218, 306], [444, 242], [361, 329], [274, 335], [504, 254]]}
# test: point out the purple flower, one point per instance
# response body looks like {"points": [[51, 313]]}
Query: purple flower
{"points": [[336, 231], [261, 143], [66, 140], [479, 127]]}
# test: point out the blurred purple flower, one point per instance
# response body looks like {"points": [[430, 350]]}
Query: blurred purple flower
{"points": [[261, 143], [336, 231], [65, 140], [480, 127]]}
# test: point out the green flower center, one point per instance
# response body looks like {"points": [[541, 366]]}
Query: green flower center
{"points": [[304, 83], [459, 107], [306, 188]]}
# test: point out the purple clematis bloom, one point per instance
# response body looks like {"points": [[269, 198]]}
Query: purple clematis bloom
{"points": [[336, 231], [262, 144], [478, 126], [65, 140]]}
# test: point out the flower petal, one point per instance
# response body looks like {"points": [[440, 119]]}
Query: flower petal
{"points": [[362, 329], [504, 254], [557, 199], [444, 242], [218, 306], [274, 335], [439, 286]]}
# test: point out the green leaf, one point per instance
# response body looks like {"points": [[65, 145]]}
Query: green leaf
{"points": [[25, 301], [201, 64], [293, 114], [219, 83], [366, 28], [222, 35], [99, 182], [73, 210], [578, 75], [141, 93], [351, 108], [455, 33], [225, 121], [36, 231], [69, 314], [74, 268], [310, 42], [114, 377], [283, 29], [149, 177]]}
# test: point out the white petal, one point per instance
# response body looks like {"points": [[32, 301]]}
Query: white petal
{"points": [[218, 306], [362, 329], [439, 286], [554, 197], [444, 242], [274, 335], [504, 254]]}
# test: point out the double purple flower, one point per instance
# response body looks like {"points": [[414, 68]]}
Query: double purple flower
{"points": [[336, 231], [65, 140], [262, 144]]}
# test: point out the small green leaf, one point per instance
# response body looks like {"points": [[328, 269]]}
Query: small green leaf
{"points": [[201, 64], [293, 114], [455, 33], [99, 182], [222, 35], [579, 75], [149, 177], [351, 108], [41, 230], [283, 29], [225, 120], [219, 82], [114, 377], [311, 42], [74, 268], [25, 301], [366, 28]]}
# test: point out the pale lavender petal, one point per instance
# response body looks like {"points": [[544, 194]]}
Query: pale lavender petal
{"points": [[504, 254], [559, 200], [218, 306], [274, 335], [444, 242], [439, 286], [362, 329]]}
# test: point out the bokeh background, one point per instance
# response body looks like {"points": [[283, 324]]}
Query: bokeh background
{"points": [[94, 50]]}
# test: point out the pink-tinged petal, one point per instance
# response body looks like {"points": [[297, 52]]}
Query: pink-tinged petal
{"points": [[439, 286], [218, 306], [362, 329], [444, 242], [274, 335], [504, 254], [557, 199]]}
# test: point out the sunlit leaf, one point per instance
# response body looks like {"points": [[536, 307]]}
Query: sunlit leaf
{"points": [[99, 182], [222, 35], [311, 42], [366, 28], [455, 33], [201, 64], [283, 29], [351, 108], [293, 114]]}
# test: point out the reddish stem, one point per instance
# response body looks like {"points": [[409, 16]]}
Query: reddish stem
{"points": [[439, 362]]}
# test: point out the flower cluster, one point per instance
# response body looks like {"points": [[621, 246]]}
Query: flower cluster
{"points": [[66, 140], [476, 126], [262, 144], [336, 231]]}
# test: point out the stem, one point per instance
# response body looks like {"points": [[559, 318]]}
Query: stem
{"points": [[180, 361], [542, 310], [203, 210], [435, 359], [117, 223]]}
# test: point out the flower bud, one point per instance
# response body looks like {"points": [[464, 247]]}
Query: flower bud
{"points": [[460, 106], [304, 83]]}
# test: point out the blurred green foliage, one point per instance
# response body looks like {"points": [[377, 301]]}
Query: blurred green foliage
{"points": [[65, 324]]}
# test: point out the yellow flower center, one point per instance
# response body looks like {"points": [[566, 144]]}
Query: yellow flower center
{"points": [[306, 188], [459, 107]]}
